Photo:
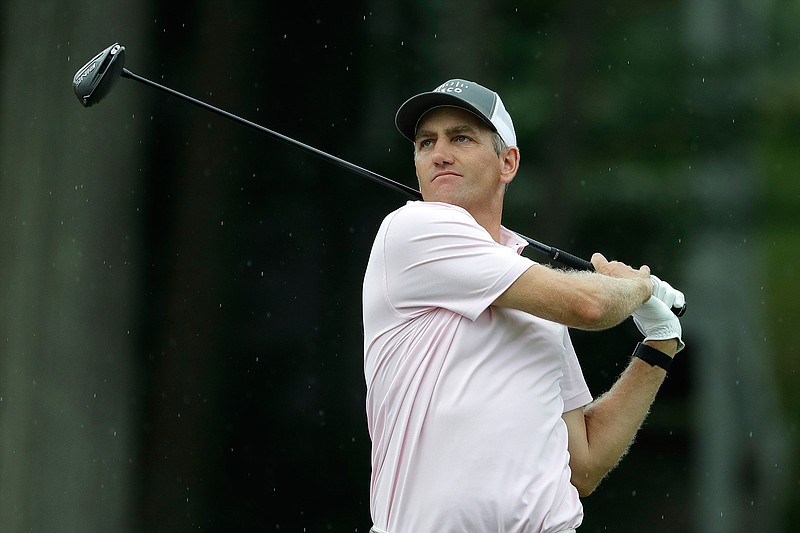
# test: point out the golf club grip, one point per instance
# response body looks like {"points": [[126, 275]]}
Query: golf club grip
{"points": [[572, 261], [560, 256]]}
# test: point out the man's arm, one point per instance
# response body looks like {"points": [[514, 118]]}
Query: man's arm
{"points": [[601, 432], [583, 300]]}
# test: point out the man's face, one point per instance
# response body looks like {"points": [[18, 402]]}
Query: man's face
{"points": [[456, 162]]}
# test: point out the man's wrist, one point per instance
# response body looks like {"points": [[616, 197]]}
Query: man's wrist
{"points": [[668, 346], [647, 289], [652, 356]]}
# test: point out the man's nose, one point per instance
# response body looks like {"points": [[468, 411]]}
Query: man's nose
{"points": [[442, 154]]}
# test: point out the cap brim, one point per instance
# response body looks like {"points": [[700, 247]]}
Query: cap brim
{"points": [[410, 113]]}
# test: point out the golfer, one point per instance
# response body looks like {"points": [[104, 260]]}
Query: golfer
{"points": [[478, 411]]}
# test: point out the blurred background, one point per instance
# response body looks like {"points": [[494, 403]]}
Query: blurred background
{"points": [[180, 323]]}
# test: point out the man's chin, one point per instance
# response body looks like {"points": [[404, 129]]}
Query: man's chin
{"points": [[442, 192]]}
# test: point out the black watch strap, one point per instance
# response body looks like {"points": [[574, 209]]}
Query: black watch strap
{"points": [[651, 356]]}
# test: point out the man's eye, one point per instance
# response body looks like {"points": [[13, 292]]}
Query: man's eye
{"points": [[460, 138], [425, 143]]}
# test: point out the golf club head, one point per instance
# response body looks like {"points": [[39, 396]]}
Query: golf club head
{"points": [[93, 81]]}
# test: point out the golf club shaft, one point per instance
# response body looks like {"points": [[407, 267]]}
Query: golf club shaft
{"points": [[555, 254], [399, 187]]}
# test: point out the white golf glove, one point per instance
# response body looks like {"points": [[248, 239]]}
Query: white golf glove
{"points": [[667, 293], [657, 322]]}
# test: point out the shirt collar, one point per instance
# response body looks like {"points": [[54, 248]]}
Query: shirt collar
{"points": [[511, 240]]}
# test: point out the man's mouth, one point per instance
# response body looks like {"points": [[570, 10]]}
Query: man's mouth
{"points": [[445, 173]]}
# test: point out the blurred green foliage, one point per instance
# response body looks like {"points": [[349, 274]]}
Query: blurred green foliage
{"points": [[645, 129]]}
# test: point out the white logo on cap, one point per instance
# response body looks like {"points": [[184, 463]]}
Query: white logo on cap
{"points": [[451, 87]]}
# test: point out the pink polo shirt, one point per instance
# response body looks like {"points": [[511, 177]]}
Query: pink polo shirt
{"points": [[464, 400]]}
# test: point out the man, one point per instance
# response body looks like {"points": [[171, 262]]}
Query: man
{"points": [[479, 414]]}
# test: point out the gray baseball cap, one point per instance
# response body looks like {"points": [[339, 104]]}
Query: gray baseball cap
{"points": [[468, 95]]}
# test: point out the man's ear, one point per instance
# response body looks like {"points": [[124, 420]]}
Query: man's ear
{"points": [[510, 161]]}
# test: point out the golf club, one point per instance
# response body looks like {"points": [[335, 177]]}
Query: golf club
{"points": [[94, 80]]}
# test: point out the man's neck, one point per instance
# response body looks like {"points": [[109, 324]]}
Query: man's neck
{"points": [[490, 222]]}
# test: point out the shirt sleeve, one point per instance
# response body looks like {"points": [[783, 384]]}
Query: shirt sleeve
{"points": [[574, 391], [437, 255]]}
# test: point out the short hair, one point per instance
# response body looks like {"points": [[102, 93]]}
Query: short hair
{"points": [[498, 143]]}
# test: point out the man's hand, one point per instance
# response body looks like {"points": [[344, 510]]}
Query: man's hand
{"points": [[658, 287], [656, 322], [617, 269], [667, 293]]}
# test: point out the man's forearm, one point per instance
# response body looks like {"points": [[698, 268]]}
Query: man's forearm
{"points": [[625, 288], [616, 299], [613, 420], [582, 300]]}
